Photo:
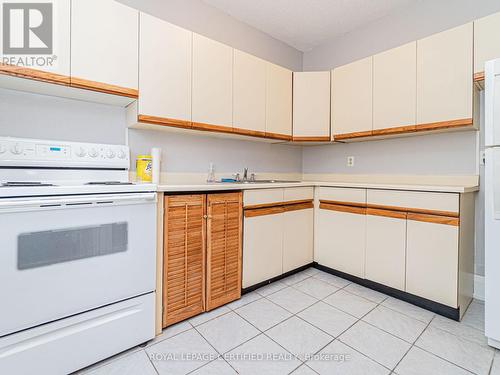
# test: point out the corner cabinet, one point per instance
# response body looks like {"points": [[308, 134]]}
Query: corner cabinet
{"points": [[201, 253], [164, 73], [278, 233], [105, 47], [278, 102], [311, 106]]}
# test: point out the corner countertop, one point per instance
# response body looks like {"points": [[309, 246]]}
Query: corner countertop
{"points": [[217, 186]]}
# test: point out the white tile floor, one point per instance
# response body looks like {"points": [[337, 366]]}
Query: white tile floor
{"points": [[314, 323]]}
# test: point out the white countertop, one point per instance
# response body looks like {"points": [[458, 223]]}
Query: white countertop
{"points": [[238, 186]]}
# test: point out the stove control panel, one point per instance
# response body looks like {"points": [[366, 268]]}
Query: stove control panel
{"points": [[27, 152]]}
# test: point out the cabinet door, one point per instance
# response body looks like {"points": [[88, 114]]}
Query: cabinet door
{"points": [[183, 258], [341, 238], [444, 76], [164, 70], [352, 105], [432, 258], [311, 105], [262, 245], [278, 101], [395, 88], [104, 45], [249, 93], [486, 41], [223, 248], [386, 247], [298, 236], [212, 82]]}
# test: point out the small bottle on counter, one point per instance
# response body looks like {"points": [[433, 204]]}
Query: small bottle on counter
{"points": [[211, 173], [144, 168]]}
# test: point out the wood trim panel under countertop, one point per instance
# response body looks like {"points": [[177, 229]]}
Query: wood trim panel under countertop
{"points": [[264, 211], [342, 208], [298, 206], [386, 213], [34, 74], [277, 204], [341, 203], [163, 121], [103, 87], [454, 221]]}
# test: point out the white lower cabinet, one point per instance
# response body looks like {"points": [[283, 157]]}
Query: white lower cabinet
{"points": [[432, 261], [262, 248], [386, 248], [341, 240], [298, 239]]}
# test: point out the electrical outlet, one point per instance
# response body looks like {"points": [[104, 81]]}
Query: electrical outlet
{"points": [[350, 161]]}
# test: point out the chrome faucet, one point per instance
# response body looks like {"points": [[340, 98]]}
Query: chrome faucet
{"points": [[245, 174]]}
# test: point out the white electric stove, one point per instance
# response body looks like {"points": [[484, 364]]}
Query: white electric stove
{"points": [[77, 259]]}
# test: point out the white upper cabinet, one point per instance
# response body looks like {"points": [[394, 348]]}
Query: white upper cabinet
{"points": [[164, 69], [278, 100], [395, 87], [249, 92], [486, 40], [311, 104], [352, 93], [104, 43], [212, 82], [444, 76]]}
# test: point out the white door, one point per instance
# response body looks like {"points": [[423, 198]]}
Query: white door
{"points": [[341, 239], [105, 43], [262, 247], [212, 82], [386, 247], [492, 103], [65, 255], [249, 92], [432, 259], [298, 238], [165, 69]]}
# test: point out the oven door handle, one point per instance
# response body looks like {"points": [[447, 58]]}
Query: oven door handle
{"points": [[88, 201]]}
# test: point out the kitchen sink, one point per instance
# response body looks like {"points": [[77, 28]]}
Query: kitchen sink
{"points": [[263, 182]]}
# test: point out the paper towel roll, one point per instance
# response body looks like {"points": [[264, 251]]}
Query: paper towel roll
{"points": [[156, 155]]}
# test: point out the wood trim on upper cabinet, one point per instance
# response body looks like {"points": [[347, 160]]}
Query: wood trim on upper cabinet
{"points": [[164, 121], [342, 208], [454, 221], [37, 75], [479, 76], [386, 213], [103, 87], [311, 139], [210, 127], [367, 133], [395, 130], [283, 137], [445, 124], [251, 133], [264, 211]]}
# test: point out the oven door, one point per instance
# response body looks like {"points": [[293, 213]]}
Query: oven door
{"points": [[60, 256]]}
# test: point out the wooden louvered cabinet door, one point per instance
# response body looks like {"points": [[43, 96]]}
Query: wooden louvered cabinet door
{"points": [[223, 248], [184, 257]]}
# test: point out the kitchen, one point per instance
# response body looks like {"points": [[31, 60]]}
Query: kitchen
{"points": [[348, 235]]}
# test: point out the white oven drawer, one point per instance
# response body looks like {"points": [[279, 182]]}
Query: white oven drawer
{"points": [[70, 344], [62, 256]]}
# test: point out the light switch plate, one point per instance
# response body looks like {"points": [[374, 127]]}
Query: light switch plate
{"points": [[350, 161]]}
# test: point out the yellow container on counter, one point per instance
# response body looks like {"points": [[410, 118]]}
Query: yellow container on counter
{"points": [[144, 168]]}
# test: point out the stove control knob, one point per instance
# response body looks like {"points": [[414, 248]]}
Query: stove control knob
{"points": [[121, 154], [110, 154], [81, 152], [93, 153], [16, 149], [2, 149]]}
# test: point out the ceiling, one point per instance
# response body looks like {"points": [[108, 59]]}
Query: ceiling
{"points": [[305, 24]]}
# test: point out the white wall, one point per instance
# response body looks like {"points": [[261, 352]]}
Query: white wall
{"points": [[423, 18], [204, 19]]}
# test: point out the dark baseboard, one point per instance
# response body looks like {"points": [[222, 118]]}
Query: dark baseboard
{"points": [[266, 282], [435, 307]]}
